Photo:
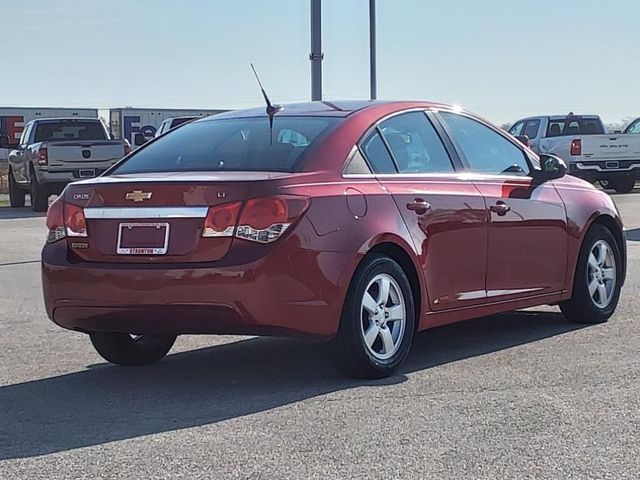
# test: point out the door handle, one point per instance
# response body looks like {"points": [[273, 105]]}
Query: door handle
{"points": [[500, 208], [419, 206]]}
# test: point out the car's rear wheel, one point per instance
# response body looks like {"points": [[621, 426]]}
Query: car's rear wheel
{"points": [[130, 350], [16, 194], [596, 286], [39, 195], [378, 320], [623, 184]]}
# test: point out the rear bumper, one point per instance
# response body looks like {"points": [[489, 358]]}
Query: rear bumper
{"points": [[63, 176], [603, 170], [290, 291]]}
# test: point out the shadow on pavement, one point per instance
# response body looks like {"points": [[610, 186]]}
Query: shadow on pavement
{"points": [[10, 213], [633, 234], [107, 403]]}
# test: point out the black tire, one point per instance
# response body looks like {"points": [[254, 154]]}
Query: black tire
{"points": [[16, 194], [128, 350], [39, 195], [582, 308], [623, 184], [353, 356]]}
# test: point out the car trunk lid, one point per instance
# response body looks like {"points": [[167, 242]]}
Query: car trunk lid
{"points": [[157, 218]]}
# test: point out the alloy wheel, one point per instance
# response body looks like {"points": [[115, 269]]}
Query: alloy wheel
{"points": [[601, 274], [384, 316]]}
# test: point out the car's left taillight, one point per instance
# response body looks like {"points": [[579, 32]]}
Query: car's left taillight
{"points": [[264, 220], [261, 220], [65, 220]]}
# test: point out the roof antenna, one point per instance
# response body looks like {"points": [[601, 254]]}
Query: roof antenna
{"points": [[271, 109]]}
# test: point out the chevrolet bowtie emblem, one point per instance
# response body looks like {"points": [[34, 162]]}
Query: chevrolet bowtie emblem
{"points": [[138, 196]]}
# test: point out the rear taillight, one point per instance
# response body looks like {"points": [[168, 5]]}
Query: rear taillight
{"points": [[65, 220], [74, 221], [576, 147], [262, 220], [221, 220], [43, 156], [127, 149], [55, 222]]}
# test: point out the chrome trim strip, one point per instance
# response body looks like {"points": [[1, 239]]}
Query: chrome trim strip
{"points": [[116, 213]]}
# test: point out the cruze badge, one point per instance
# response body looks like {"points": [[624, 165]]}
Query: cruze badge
{"points": [[138, 196]]}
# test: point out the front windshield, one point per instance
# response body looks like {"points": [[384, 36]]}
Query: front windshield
{"points": [[237, 144]]}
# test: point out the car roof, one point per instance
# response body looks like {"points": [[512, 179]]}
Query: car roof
{"points": [[325, 108]]}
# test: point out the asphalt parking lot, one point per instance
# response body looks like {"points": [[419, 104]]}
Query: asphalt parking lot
{"points": [[523, 395]]}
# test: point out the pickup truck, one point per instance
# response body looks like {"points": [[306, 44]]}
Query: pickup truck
{"points": [[590, 152], [56, 151]]}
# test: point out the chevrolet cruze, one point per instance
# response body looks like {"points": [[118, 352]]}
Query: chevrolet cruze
{"points": [[356, 222]]}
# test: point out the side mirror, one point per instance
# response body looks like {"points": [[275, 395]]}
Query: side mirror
{"points": [[551, 167], [523, 139], [4, 141], [138, 139]]}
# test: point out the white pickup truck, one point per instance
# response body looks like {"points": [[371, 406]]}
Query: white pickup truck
{"points": [[590, 152], [56, 151]]}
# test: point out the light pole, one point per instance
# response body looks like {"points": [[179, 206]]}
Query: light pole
{"points": [[316, 55], [372, 49]]}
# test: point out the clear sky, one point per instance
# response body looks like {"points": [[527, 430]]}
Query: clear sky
{"points": [[503, 59]]}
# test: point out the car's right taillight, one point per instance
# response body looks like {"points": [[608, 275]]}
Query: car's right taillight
{"points": [[576, 147], [65, 220], [264, 220]]}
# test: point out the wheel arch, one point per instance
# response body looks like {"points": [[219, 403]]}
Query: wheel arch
{"points": [[615, 227], [400, 255]]}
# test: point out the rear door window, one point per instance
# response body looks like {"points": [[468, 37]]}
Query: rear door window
{"points": [[415, 144]]}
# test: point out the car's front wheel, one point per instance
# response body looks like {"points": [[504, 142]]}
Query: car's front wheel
{"points": [[378, 320], [130, 350], [597, 280]]}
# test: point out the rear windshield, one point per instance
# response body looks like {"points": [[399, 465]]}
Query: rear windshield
{"points": [[236, 144], [574, 126], [69, 130]]}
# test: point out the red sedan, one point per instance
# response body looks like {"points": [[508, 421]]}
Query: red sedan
{"points": [[356, 222]]}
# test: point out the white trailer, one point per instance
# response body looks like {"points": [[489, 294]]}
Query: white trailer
{"points": [[13, 120], [126, 122]]}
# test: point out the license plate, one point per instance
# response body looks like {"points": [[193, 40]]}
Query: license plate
{"points": [[142, 239], [88, 173]]}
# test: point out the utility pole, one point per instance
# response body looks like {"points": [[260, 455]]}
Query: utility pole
{"points": [[372, 49], [316, 55]]}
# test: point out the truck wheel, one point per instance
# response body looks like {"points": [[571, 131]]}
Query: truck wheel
{"points": [[131, 350], [39, 195], [378, 320], [596, 284], [16, 194], [623, 184]]}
